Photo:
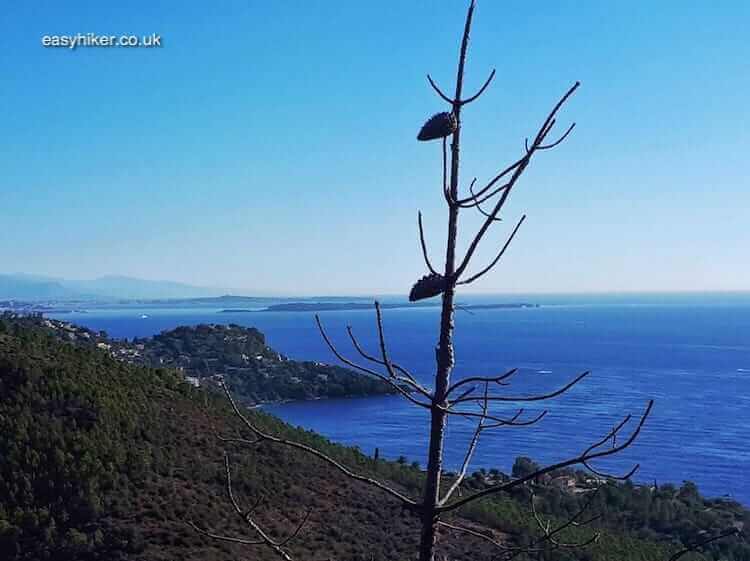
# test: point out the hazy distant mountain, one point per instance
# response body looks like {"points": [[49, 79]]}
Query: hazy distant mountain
{"points": [[31, 287], [28, 287], [132, 288]]}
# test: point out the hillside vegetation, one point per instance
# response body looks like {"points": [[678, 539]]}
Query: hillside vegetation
{"points": [[238, 355], [101, 459]]}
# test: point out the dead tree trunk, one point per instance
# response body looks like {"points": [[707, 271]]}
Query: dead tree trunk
{"points": [[444, 351]]}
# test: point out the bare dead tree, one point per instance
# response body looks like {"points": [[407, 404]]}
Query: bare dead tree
{"points": [[472, 397]]}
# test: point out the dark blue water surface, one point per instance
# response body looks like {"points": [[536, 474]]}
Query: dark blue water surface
{"points": [[691, 354]]}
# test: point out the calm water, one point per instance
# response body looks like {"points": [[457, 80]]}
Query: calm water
{"points": [[691, 354]]}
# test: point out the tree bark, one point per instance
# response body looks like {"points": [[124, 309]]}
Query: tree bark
{"points": [[444, 351]]}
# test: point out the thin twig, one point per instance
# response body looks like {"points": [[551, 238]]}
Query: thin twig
{"points": [[541, 397], [424, 244], [481, 379], [438, 90], [481, 90], [497, 258]]}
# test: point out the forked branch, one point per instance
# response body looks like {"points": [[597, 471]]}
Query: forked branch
{"points": [[407, 378], [391, 379]]}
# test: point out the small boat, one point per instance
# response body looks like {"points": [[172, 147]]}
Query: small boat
{"points": [[144, 316]]}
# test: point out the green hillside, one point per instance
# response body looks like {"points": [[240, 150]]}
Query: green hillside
{"points": [[100, 459]]}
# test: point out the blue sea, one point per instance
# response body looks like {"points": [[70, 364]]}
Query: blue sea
{"points": [[690, 353]]}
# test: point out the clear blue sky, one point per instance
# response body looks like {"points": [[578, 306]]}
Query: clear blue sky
{"points": [[271, 145]]}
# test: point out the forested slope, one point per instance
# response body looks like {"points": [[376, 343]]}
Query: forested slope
{"points": [[100, 459]]}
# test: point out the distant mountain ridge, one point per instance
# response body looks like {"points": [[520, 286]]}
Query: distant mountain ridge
{"points": [[114, 288], [26, 287], [31, 287]]}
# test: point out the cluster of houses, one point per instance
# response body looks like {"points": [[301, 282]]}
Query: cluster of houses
{"points": [[567, 481]]}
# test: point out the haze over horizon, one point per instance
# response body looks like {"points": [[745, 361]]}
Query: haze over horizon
{"points": [[34, 288], [271, 148]]}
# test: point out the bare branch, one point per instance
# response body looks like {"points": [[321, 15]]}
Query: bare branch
{"points": [[407, 378], [624, 477], [481, 379], [496, 421], [513, 422], [238, 439], [477, 202], [497, 257], [559, 140], [541, 135], [466, 393], [548, 534], [492, 182], [262, 436], [462, 55], [586, 456], [548, 123], [391, 381], [446, 189], [381, 338], [469, 451], [542, 397], [491, 217], [438, 90], [476, 534], [424, 245], [481, 90]]}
